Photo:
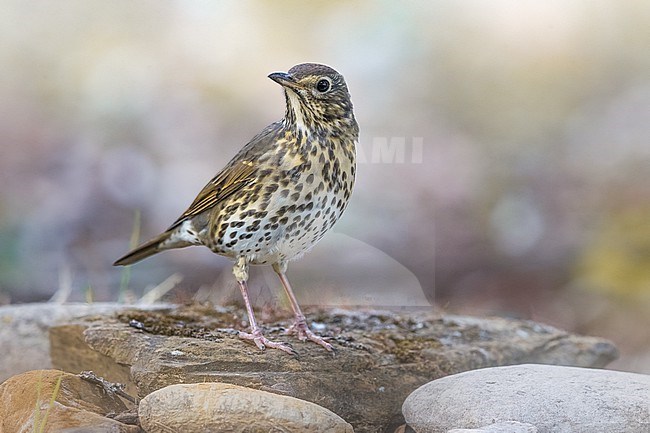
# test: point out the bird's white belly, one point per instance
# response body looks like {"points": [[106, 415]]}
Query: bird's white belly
{"points": [[281, 236]]}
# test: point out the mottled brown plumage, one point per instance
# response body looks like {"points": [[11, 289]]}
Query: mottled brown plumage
{"points": [[280, 194]]}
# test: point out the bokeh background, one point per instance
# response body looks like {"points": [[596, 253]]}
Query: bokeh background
{"points": [[504, 159]]}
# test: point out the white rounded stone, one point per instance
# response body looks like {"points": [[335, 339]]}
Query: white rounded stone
{"points": [[551, 398], [500, 427]]}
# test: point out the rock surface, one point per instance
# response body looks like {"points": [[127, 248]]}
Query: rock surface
{"points": [[500, 427], [33, 402], [551, 398], [224, 408], [24, 330], [381, 356]]}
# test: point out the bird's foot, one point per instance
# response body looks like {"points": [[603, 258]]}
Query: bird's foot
{"points": [[303, 332], [262, 342]]}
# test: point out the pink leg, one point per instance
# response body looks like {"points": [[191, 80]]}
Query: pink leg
{"points": [[241, 272], [299, 326]]}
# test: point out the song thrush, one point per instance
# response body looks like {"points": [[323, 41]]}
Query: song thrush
{"points": [[280, 194]]}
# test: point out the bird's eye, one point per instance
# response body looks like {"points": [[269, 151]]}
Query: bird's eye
{"points": [[323, 85]]}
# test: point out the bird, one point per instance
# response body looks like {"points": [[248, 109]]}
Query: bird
{"points": [[279, 194]]}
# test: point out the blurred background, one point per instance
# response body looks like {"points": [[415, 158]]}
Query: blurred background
{"points": [[504, 159]]}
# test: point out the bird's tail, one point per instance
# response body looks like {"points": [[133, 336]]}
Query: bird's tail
{"points": [[145, 250]]}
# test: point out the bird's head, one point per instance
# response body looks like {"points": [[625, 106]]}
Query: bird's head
{"points": [[317, 97]]}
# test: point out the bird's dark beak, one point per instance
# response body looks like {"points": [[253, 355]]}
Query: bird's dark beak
{"points": [[284, 79]]}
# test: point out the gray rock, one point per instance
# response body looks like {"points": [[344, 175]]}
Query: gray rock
{"points": [[381, 356], [500, 427], [24, 337], [404, 428], [551, 398], [224, 408]]}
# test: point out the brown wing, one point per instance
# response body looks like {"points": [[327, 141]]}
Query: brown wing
{"points": [[239, 172]]}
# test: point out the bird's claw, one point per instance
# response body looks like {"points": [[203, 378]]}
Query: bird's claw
{"points": [[302, 331], [262, 342]]}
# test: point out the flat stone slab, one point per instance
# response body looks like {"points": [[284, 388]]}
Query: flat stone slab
{"points": [[543, 398], [381, 356], [24, 331]]}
